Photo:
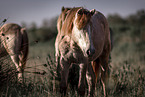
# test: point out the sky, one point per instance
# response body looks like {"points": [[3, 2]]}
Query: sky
{"points": [[18, 11]]}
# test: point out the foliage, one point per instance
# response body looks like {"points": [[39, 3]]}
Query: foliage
{"points": [[43, 33], [128, 37]]}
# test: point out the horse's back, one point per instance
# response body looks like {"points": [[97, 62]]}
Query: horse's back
{"points": [[11, 37], [10, 28], [15, 39]]}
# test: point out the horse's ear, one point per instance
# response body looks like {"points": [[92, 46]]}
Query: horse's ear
{"points": [[62, 9], [92, 11], [23, 30], [80, 11]]}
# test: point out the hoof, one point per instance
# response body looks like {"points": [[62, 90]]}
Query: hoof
{"points": [[63, 90], [90, 95], [81, 91]]}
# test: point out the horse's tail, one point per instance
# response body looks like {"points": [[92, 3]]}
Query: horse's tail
{"points": [[96, 66], [25, 47]]}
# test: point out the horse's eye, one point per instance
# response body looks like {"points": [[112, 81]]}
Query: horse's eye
{"points": [[3, 34], [85, 12]]}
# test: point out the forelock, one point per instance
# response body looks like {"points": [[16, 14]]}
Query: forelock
{"points": [[68, 23], [82, 18]]}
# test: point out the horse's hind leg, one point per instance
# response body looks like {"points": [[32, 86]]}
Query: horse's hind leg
{"points": [[21, 67], [91, 80], [104, 80], [15, 60], [96, 67], [104, 72], [24, 47]]}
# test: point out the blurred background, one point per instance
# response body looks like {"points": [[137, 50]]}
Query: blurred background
{"points": [[36, 11], [39, 17]]}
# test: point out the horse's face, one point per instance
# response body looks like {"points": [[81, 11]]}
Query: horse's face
{"points": [[82, 32]]}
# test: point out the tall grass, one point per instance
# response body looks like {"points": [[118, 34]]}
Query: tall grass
{"points": [[125, 81]]}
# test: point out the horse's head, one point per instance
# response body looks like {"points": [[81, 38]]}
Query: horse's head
{"points": [[82, 31]]}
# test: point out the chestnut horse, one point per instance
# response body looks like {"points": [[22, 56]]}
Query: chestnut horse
{"points": [[84, 39], [15, 41]]}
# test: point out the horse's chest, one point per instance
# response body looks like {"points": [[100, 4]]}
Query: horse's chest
{"points": [[64, 46], [69, 49]]}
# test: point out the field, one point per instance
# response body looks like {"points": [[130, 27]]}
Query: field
{"points": [[127, 77]]}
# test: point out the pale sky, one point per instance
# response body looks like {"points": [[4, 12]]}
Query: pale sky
{"points": [[37, 10]]}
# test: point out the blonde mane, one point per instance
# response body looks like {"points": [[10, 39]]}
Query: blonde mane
{"points": [[82, 18], [68, 23], [61, 18]]}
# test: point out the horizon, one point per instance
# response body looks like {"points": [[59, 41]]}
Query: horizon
{"points": [[30, 11]]}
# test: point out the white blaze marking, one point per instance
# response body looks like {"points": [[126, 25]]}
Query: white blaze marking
{"points": [[79, 35]]}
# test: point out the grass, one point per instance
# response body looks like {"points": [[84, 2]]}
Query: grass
{"points": [[127, 78], [125, 81], [41, 80]]}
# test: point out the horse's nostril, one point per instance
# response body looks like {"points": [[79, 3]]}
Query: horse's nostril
{"points": [[88, 52]]}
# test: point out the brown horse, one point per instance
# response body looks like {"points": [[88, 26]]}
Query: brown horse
{"points": [[84, 39], [15, 41]]}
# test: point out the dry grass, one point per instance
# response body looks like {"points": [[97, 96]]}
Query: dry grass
{"points": [[126, 79]]}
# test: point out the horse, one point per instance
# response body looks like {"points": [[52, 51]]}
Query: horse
{"points": [[14, 39], [83, 39]]}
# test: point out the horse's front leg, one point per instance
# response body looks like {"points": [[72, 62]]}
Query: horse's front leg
{"points": [[58, 67], [91, 80], [82, 79], [64, 75]]}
